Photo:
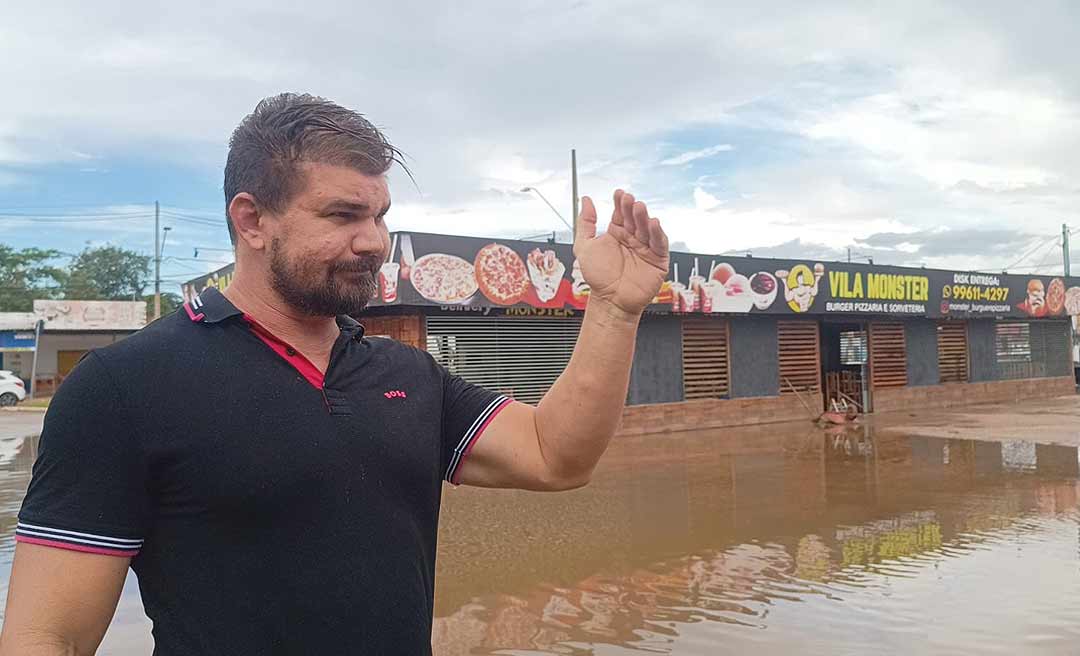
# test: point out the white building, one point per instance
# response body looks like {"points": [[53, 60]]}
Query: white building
{"points": [[68, 330]]}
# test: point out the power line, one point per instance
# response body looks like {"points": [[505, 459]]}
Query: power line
{"points": [[1048, 253], [1038, 245], [195, 214], [203, 222], [183, 210], [82, 204], [78, 219], [13, 211], [192, 217]]}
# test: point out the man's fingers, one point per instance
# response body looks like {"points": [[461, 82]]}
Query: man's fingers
{"points": [[616, 214], [586, 225], [641, 222], [626, 208], [658, 240]]}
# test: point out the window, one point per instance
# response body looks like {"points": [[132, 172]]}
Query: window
{"points": [[952, 351], [888, 355], [853, 347], [800, 356]]}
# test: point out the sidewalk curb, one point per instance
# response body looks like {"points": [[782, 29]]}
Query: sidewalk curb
{"points": [[18, 409]]}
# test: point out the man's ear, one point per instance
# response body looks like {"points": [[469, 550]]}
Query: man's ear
{"points": [[247, 220]]}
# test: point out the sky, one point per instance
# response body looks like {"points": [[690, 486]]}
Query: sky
{"points": [[944, 134]]}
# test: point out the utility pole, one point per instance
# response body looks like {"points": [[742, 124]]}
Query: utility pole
{"points": [[573, 179], [38, 326], [157, 261], [1065, 247]]}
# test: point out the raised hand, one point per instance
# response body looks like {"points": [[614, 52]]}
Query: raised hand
{"points": [[626, 265]]}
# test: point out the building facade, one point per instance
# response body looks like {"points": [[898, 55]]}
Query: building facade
{"points": [[729, 340], [68, 330]]}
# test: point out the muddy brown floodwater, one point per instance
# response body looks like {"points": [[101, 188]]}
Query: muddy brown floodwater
{"points": [[766, 540]]}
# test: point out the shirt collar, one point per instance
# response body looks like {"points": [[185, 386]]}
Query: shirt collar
{"points": [[211, 306], [350, 327]]}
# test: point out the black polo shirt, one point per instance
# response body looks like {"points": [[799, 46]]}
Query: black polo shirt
{"points": [[268, 510]]}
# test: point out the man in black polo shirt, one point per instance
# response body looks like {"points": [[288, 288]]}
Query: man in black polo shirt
{"points": [[295, 509]]}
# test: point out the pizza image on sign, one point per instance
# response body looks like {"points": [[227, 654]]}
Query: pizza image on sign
{"points": [[1055, 297], [441, 278], [501, 274]]}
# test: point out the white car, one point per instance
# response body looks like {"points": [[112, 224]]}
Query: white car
{"points": [[12, 389]]}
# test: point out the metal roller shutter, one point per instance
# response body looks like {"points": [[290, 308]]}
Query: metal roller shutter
{"points": [[1014, 352], [517, 356], [705, 358], [888, 355], [952, 351], [799, 356], [1058, 351]]}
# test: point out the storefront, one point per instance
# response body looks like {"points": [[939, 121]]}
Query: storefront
{"points": [[733, 340], [68, 330]]}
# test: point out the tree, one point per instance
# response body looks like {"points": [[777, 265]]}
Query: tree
{"points": [[25, 275], [170, 302], [108, 273]]}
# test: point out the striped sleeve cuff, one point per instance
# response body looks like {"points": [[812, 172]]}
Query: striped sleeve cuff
{"points": [[472, 435], [75, 541]]}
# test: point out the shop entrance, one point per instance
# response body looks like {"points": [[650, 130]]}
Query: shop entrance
{"points": [[845, 356]]}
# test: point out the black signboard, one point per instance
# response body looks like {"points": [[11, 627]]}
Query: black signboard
{"points": [[466, 273]]}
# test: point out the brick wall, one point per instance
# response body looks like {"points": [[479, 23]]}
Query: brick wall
{"points": [[959, 394], [407, 329], [715, 413]]}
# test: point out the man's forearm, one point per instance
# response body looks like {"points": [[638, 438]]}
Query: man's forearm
{"points": [[581, 412], [37, 644]]}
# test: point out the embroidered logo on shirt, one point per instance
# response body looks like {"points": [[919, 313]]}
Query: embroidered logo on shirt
{"points": [[192, 308], [394, 394]]}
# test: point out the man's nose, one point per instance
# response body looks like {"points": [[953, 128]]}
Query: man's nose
{"points": [[369, 239]]}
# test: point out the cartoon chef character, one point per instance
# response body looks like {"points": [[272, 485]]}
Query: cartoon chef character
{"points": [[801, 285], [1035, 304]]}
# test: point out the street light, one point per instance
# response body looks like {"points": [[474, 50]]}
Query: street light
{"points": [[157, 264], [164, 236], [526, 190]]}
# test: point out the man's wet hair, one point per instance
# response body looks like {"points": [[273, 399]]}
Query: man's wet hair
{"points": [[284, 131]]}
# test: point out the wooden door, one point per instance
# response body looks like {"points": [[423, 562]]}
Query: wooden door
{"points": [[66, 361]]}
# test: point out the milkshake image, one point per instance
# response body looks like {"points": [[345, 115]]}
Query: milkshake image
{"points": [[388, 281]]}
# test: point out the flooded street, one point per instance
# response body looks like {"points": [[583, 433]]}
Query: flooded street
{"points": [[767, 540]]}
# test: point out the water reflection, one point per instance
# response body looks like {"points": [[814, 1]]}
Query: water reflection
{"points": [[842, 542], [768, 540]]}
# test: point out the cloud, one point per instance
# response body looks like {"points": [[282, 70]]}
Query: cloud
{"points": [[963, 249], [705, 201], [842, 122], [686, 158]]}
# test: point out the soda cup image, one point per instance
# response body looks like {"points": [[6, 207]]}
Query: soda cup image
{"points": [[709, 292], [676, 296], [388, 281], [689, 300]]}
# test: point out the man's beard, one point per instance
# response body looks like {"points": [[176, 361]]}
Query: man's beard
{"points": [[324, 292]]}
